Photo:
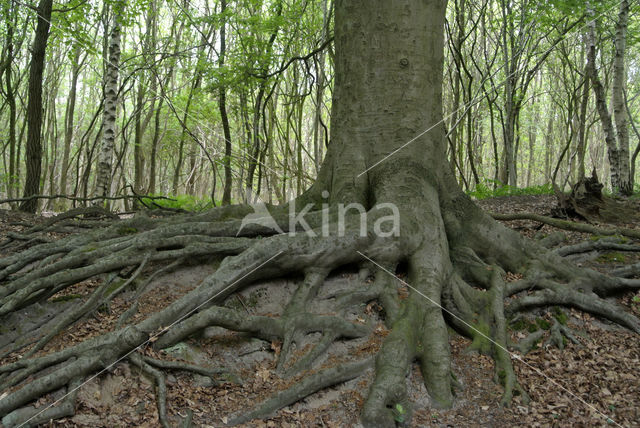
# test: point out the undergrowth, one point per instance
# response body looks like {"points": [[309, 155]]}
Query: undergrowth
{"points": [[180, 202], [486, 190]]}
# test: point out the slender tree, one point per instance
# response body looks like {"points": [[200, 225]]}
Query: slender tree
{"points": [[34, 108], [105, 156]]}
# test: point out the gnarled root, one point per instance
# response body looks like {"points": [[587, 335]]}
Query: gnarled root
{"points": [[464, 270]]}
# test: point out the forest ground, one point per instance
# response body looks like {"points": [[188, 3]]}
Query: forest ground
{"points": [[604, 370]]}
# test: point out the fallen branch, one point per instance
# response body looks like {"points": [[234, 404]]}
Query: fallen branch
{"points": [[569, 225], [599, 245], [79, 199]]}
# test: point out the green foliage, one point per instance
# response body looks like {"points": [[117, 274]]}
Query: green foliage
{"points": [[485, 191], [520, 325], [612, 258], [399, 413], [66, 298], [181, 202], [543, 324], [524, 324], [559, 315], [114, 286], [127, 230]]}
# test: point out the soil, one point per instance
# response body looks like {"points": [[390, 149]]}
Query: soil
{"points": [[594, 383]]}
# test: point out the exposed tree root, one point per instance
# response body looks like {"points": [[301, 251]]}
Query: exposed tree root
{"points": [[161, 386], [610, 244], [569, 225], [456, 262], [31, 416], [627, 271], [307, 386], [186, 367]]}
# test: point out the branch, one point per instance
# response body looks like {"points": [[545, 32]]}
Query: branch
{"points": [[295, 58], [569, 225], [79, 199]]}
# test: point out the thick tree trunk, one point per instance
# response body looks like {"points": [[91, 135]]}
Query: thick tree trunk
{"points": [[33, 154], [105, 156]]}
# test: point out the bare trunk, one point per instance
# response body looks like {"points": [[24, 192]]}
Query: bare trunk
{"points": [[33, 154], [582, 125], [105, 155], [603, 110], [12, 180], [226, 194], [625, 181], [68, 130]]}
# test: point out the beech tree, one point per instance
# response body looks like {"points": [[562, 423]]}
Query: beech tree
{"points": [[388, 149]]}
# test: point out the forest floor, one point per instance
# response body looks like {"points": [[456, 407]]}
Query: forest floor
{"points": [[604, 371]]}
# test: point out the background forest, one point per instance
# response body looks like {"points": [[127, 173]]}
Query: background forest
{"points": [[213, 98]]}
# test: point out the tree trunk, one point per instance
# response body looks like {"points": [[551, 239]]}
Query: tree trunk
{"points": [[12, 180], [582, 125], [533, 131], [105, 156], [320, 88], [603, 110], [33, 154], [625, 181], [155, 140], [184, 132], [138, 153], [68, 129], [226, 194]]}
